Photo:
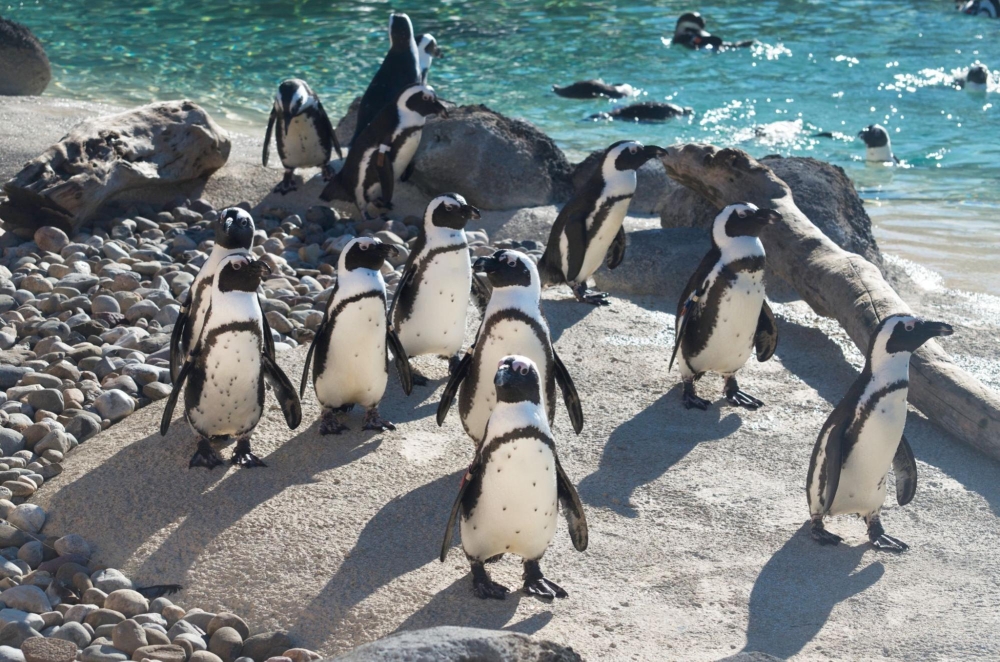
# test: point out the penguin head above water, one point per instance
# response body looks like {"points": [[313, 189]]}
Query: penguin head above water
{"points": [[741, 219], [449, 210], [400, 31], [416, 103], [897, 336], [517, 380], [239, 274], [234, 229], [877, 145], [691, 22], [976, 78], [628, 155], [293, 98], [507, 268], [366, 253]]}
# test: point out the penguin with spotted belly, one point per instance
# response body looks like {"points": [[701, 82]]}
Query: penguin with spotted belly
{"points": [[399, 70], [590, 225], [351, 364], [722, 316], [512, 324], [305, 135], [508, 497], [223, 376], [863, 436]]}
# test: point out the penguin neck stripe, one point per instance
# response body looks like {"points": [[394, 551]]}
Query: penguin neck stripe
{"points": [[250, 326], [866, 409], [527, 432], [404, 307]]}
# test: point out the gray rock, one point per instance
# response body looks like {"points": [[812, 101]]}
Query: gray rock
{"points": [[11, 441], [156, 390], [197, 642], [657, 262], [11, 654], [72, 544], [28, 517], [269, 644], [15, 633], [226, 619], [10, 375], [103, 303], [110, 579], [158, 605], [114, 405], [458, 643], [128, 602], [9, 569], [202, 656], [152, 618], [128, 635], [55, 440], [227, 643], [17, 616], [103, 654], [199, 618], [76, 633], [78, 613], [31, 553], [26, 598], [48, 399], [51, 239], [83, 427], [168, 653], [99, 617], [144, 309], [24, 66]]}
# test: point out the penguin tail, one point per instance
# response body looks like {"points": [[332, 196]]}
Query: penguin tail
{"points": [[335, 190], [548, 273]]}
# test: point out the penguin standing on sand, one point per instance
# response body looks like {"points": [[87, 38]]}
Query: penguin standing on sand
{"points": [[399, 70], [591, 222], [877, 145], [223, 375], [722, 316], [351, 362], [427, 50], [305, 135], [863, 436], [384, 152], [509, 494], [512, 324], [432, 297]]}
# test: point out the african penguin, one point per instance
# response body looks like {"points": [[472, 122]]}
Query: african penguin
{"points": [[432, 298], [644, 111], [427, 50], [352, 342], [591, 89], [690, 32], [223, 374], [877, 146], [722, 316], [976, 78], [512, 324], [863, 436], [305, 136], [591, 222], [384, 151], [987, 8], [509, 494], [399, 70]]}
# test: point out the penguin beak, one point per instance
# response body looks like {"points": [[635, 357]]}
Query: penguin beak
{"points": [[928, 330], [388, 250], [439, 108], [653, 152], [767, 216], [504, 375], [437, 52], [485, 265], [470, 212]]}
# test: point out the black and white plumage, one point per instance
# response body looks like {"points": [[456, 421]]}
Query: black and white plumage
{"points": [[399, 70], [722, 316], [877, 145], [427, 50], [305, 136], [644, 111], [690, 32], [508, 498], [223, 375], [351, 365], [594, 88], [863, 436], [987, 8], [512, 324], [976, 79], [384, 151], [432, 298], [590, 225]]}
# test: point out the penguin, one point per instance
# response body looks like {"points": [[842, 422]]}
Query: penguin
{"points": [[384, 151], [987, 8], [305, 135], [234, 228], [594, 88], [509, 494], [877, 145], [432, 298], [223, 375], [644, 111], [399, 70], [427, 50], [975, 79], [512, 324], [690, 32], [863, 436], [352, 365], [722, 316], [590, 225]]}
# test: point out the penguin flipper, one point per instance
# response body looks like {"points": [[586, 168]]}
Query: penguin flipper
{"points": [[327, 132], [616, 252], [568, 389], [177, 336], [408, 172], [451, 388], [404, 282], [765, 340], [268, 338], [466, 479], [904, 465], [480, 293], [402, 361], [283, 391], [267, 136], [572, 509], [168, 410], [386, 175]]}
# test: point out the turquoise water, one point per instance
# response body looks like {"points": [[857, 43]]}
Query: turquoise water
{"points": [[831, 66]]}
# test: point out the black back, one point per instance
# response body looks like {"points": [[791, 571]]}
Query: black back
{"points": [[399, 70]]}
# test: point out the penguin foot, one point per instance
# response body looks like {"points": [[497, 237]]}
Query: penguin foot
{"points": [[330, 423], [585, 295], [741, 399], [287, 185], [887, 543], [375, 422], [243, 457], [824, 537], [328, 172], [691, 399], [484, 587], [537, 585], [205, 456], [453, 364]]}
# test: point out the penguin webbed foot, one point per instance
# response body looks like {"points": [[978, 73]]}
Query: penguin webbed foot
{"points": [[375, 422], [286, 185], [585, 295], [242, 457], [537, 585], [822, 536], [740, 398], [691, 399], [882, 541], [330, 423], [484, 587], [205, 456], [329, 172]]}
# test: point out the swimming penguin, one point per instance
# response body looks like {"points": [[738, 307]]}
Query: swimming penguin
{"points": [[305, 136], [432, 297], [975, 79], [223, 374], [427, 50], [512, 324], [863, 436], [399, 70], [877, 146], [591, 222], [645, 111], [722, 316], [987, 8], [384, 151], [352, 364], [508, 496], [594, 88], [690, 32]]}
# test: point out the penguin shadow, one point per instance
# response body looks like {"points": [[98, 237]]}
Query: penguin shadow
{"points": [[798, 588], [813, 357], [643, 448], [562, 314]]}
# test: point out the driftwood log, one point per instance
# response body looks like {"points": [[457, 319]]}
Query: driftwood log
{"points": [[842, 285]]}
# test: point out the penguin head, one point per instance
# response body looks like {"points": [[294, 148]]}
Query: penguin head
{"points": [[400, 31], [419, 100], [691, 23], [517, 380], [293, 98], [237, 273], [742, 219], [904, 333], [449, 210], [234, 228], [626, 155], [976, 77], [874, 135], [366, 253], [428, 47], [507, 268]]}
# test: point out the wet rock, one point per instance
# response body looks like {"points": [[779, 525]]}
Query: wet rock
{"points": [[24, 66]]}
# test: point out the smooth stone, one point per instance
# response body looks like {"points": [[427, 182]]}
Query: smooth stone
{"points": [[93, 596], [28, 517], [56, 440], [11, 441], [199, 618], [20, 489], [197, 642], [17, 616], [158, 605], [103, 616], [128, 636], [83, 427], [32, 553], [51, 239], [114, 405], [26, 598], [78, 613], [76, 633], [226, 643], [11, 654], [103, 303], [9, 569], [168, 653], [302, 655], [73, 544], [226, 619], [103, 654], [259, 647], [128, 602], [16, 633], [156, 638], [151, 618], [182, 627], [173, 614], [203, 656]]}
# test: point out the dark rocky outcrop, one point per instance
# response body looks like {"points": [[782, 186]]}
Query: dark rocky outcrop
{"points": [[451, 644], [24, 66]]}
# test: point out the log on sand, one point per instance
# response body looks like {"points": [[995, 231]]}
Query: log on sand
{"points": [[841, 285]]}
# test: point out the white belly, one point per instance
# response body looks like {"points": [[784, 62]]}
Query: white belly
{"points": [[598, 247], [405, 154], [228, 404], [516, 511], [731, 341], [355, 363], [437, 323], [302, 146]]}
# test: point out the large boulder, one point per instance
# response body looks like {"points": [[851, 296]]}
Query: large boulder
{"points": [[24, 67], [451, 644], [154, 152]]}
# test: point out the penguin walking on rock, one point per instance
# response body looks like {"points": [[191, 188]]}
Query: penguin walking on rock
{"points": [[399, 70], [223, 375], [509, 495], [863, 436], [384, 151], [512, 324], [305, 135], [722, 316], [432, 298], [351, 365], [590, 225], [878, 149], [427, 50]]}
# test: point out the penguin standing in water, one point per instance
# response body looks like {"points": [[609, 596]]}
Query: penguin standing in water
{"points": [[399, 70], [432, 297], [863, 436], [690, 32], [591, 222], [384, 152], [877, 145], [427, 50], [223, 375], [352, 365], [512, 324], [508, 496], [305, 135], [722, 316]]}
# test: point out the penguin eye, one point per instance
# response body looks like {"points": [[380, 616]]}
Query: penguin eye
{"points": [[449, 207], [909, 325], [742, 213], [522, 369], [364, 247], [427, 97], [237, 266], [511, 261], [633, 149]]}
